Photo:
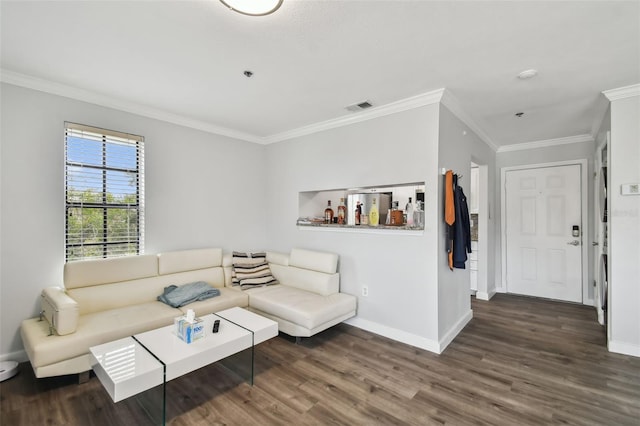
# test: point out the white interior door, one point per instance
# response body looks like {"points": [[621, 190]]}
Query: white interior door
{"points": [[543, 258]]}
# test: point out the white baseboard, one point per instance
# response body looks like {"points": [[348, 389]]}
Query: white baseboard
{"points": [[453, 331], [624, 348], [20, 356], [395, 334], [410, 338], [483, 295]]}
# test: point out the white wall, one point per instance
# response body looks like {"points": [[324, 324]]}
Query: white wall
{"points": [[458, 146], [400, 270], [624, 227], [201, 190], [574, 151]]}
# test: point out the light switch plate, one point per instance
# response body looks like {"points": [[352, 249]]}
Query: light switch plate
{"points": [[630, 189]]}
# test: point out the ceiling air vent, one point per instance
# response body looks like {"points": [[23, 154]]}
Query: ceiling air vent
{"points": [[359, 106]]}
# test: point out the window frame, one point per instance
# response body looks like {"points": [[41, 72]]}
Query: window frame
{"points": [[105, 138]]}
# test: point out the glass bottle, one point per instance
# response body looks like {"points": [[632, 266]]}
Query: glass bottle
{"points": [[328, 213], [342, 212], [374, 216], [394, 213], [358, 212], [364, 217], [417, 215], [409, 211]]}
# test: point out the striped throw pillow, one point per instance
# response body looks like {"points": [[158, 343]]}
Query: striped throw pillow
{"points": [[257, 275], [240, 259]]}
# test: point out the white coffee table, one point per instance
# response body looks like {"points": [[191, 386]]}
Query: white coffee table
{"points": [[135, 364]]}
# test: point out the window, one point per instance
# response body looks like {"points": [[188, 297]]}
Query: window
{"points": [[104, 193]]}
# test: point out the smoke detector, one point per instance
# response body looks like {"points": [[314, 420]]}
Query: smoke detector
{"points": [[527, 74], [359, 106]]}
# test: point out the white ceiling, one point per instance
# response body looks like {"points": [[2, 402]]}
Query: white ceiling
{"points": [[312, 58]]}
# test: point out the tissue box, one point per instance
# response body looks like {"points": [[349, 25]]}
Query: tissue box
{"points": [[189, 331]]}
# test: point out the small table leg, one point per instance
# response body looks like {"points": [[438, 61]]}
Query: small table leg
{"points": [[83, 377]]}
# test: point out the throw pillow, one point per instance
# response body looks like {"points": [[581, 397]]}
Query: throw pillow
{"points": [[243, 259], [257, 275]]}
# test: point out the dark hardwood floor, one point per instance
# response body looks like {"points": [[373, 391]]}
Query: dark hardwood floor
{"points": [[520, 361]]}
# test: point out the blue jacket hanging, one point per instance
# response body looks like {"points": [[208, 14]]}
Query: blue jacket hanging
{"points": [[461, 228]]}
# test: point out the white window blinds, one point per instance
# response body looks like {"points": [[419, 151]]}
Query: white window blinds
{"points": [[104, 193]]}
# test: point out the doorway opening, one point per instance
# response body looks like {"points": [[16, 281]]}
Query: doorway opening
{"points": [[479, 215]]}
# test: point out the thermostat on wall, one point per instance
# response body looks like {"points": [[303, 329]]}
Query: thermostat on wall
{"points": [[630, 189]]}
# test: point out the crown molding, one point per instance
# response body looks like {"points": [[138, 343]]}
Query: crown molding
{"points": [[417, 101], [42, 85], [622, 92], [600, 110], [451, 102], [428, 98], [547, 142]]}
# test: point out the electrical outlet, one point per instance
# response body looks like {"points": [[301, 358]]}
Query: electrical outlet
{"points": [[365, 290]]}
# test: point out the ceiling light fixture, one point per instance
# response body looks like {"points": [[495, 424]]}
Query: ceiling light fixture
{"points": [[527, 74], [253, 7]]}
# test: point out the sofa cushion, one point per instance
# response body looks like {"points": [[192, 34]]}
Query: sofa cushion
{"points": [[86, 273], [305, 279], [128, 293], [278, 258], [301, 307], [229, 298], [93, 329], [227, 266], [189, 260], [314, 260]]}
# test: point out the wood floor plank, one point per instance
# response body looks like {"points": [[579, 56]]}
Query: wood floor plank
{"points": [[519, 361]]}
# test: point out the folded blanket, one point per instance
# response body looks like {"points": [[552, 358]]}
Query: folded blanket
{"points": [[183, 295]]}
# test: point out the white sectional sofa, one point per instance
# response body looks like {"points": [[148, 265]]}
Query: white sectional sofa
{"points": [[104, 300], [308, 299]]}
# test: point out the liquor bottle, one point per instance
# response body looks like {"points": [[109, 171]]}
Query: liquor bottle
{"points": [[374, 216], [328, 213], [409, 211], [358, 212], [342, 212], [396, 214]]}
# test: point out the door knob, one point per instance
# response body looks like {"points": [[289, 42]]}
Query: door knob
{"points": [[574, 243], [595, 243]]}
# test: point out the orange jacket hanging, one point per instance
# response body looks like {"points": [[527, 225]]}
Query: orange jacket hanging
{"points": [[449, 213]]}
